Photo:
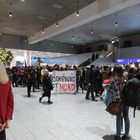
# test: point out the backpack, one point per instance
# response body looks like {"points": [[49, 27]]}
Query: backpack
{"points": [[132, 93]]}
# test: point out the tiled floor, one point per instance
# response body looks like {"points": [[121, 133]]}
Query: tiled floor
{"points": [[70, 117]]}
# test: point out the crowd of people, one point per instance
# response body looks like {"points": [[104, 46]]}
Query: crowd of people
{"points": [[31, 77], [90, 80]]}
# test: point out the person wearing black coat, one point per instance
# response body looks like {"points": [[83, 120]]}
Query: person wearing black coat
{"points": [[47, 86], [29, 82], [92, 85]]}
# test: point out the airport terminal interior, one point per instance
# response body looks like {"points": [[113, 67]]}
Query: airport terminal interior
{"points": [[65, 39]]}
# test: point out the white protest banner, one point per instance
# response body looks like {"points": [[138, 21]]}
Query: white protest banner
{"points": [[64, 81]]}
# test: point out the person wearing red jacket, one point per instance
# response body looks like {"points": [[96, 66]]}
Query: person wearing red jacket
{"points": [[6, 101]]}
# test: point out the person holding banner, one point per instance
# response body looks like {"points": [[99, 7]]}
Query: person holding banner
{"points": [[47, 86], [77, 78]]}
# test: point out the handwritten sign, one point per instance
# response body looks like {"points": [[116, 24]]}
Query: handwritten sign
{"points": [[64, 81]]}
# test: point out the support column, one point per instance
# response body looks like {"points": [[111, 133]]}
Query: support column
{"points": [[27, 57]]}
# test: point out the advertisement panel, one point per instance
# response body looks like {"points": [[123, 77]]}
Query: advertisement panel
{"points": [[64, 81]]}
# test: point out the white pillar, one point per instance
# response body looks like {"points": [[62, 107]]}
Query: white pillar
{"points": [[27, 57]]}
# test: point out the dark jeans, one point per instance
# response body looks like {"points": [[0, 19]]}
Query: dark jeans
{"points": [[29, 85], [90, 89], [119, 121], [2, 135], [46, 94]]}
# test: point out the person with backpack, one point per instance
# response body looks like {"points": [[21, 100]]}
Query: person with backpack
{"points": [[132, 89], [130, 75], [115, 89]]}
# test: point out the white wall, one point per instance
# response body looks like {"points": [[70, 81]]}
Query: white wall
{"points": [[133, 52]]}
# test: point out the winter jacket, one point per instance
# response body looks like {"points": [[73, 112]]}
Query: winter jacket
{"points": [[6, 102]]}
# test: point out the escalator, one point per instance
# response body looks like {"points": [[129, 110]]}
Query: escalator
{"points": [[86, 63], [107, 60]]}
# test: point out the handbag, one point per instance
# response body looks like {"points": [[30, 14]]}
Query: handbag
{"points": [[114, 108]]}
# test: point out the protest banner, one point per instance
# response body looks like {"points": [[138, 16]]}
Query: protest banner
{"points": [[64, 81]]}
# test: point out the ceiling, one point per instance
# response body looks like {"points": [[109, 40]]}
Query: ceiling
{"points": [[104, 28], [30, 16]]}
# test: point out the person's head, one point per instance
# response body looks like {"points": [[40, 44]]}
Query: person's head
{"points": [[132, 70], [46, 72], [3, 74], [127, 67], [118, 72]]}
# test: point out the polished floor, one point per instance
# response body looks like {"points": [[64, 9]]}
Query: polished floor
{"points": [[70, 117]]}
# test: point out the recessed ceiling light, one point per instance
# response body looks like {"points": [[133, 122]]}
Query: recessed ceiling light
{"points": [[51, 44], [22, 0]]}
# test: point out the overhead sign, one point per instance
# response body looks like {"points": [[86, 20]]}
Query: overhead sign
{"points": [[64, 81], [122, 61], [134, 60]]}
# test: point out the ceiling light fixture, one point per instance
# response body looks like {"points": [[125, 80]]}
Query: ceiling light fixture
{"points": [[22, 0], [116, 23], [72, 37], [91, 31], [10, 14], [56, 24], [115, 39], [77, 13]]}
